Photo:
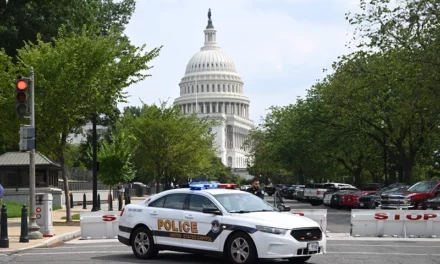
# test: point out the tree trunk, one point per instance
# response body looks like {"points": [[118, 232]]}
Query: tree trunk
{"points": [[65, 178], [400, 173], [407, 172], [158, 173], [392, 177]]}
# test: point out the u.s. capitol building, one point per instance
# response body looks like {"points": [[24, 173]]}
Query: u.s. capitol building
{"points": [[212, 88]]}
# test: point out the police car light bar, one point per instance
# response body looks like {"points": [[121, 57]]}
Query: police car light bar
{"points": [[201, 186]]}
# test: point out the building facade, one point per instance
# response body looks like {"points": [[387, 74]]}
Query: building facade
{"points": [[212, 88]]}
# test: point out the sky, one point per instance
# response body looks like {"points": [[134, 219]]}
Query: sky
{"points": [[280, 47]]}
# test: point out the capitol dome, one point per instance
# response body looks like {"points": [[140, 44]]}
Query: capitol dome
{"points": [[212, 88], [210, 60]]}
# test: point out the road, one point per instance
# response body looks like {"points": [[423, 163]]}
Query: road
{"points": [[338, 220], [341, 252]]}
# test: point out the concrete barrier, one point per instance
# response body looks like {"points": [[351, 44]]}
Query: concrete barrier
{"points": [[99, 225], [395, 223], [317, 215]]}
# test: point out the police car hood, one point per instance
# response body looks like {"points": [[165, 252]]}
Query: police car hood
{"points": [[276, 219]]}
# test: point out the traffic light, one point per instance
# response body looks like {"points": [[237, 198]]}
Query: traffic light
{"points": [[21, 96]]}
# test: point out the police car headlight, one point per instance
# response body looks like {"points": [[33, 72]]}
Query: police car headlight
{"points": [[272, 230]]}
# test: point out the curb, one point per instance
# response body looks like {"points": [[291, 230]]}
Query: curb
{"points": [[53, 241]]}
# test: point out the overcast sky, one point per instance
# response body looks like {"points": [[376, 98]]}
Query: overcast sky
{"points": [[280, 47]]}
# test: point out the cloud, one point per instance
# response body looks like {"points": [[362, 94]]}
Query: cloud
{"points": [[278, 51]]}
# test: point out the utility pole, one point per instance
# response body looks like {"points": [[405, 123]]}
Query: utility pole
{"points": [[34, 229]]}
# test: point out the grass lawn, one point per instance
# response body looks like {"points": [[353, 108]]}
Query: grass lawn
{"points": [[14, 209], [74, 217]]}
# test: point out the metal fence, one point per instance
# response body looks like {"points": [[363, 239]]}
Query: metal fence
{"points": [[82, 186]]}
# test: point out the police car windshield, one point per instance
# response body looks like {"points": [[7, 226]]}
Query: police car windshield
{"points": [[244, 203]]}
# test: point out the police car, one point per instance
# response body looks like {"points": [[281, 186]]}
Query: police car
{"points": [[205, 219]]}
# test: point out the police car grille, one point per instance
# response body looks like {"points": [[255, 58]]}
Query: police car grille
{"points": [[309, 234]]}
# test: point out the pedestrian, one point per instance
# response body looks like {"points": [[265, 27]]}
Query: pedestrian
{"points": [[121, 191], [256, 189], [2, 191]]}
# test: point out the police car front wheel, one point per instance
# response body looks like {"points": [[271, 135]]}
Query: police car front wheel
{"points": [[240, 249], [143, 244]]}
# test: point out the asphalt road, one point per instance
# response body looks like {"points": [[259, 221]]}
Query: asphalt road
{"points": [[338, 220], [341, 252]]}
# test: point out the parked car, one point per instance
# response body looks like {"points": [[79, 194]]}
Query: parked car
{"points": [[270, 190], [330, 191], [433, 203], [299, 193], [412, 197], [283, 190], [291, 192], [372, 201]]}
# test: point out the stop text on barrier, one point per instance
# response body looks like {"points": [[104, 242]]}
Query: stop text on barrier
{"points": [[108, 218], [415, 217]]}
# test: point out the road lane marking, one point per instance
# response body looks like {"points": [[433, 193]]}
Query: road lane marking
{"points": [[85, 246], [366, 245], [387, 253], [76, 252]]}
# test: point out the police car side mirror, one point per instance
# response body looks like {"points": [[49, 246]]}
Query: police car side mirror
{"points": [[212, 211]]}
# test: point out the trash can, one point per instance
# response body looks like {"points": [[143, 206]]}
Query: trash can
{"points": [[139, 192]]}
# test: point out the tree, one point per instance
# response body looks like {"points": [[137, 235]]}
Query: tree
{"points": [[23, 20], [10, 125], [169, 142], [78, 75], [116, 159]]}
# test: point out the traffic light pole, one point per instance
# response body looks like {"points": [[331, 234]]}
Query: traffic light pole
{"points": [[95, 206], [33, 229]]}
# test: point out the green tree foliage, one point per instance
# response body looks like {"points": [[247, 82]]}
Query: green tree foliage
{"points": [[76, 76], [377, 112], [174, 145], [9, 123], [116, 159], [23, 20]]}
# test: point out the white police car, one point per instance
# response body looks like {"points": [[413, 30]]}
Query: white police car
{"points": [[207, 220]]}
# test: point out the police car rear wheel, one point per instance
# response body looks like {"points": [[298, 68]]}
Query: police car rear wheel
{"points": [[299, 260], [240, 249], [143, 245]]}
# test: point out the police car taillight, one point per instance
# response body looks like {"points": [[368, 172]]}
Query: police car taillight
{"points": [[122, 211]]}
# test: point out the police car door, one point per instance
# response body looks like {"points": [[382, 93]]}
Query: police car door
{"points": [[165, 218], [205, 226]]}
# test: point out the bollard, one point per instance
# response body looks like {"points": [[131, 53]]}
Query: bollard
{"points": [[84, 201], [110, 204], [127, 199], [119, 202], [71, 200], [24, 226], [99, 202], [4, 240]]}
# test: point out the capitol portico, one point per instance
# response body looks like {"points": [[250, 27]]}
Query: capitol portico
{"points": [[212, 88]]}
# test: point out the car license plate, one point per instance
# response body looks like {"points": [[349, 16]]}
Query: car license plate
{"points": [[314, 246], [361, 204]]}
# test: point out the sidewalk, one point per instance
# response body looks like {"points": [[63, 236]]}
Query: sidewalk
{"points": [[62, 231]]}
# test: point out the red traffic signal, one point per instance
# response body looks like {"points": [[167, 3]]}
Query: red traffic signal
{"points": [[21, 86]]}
